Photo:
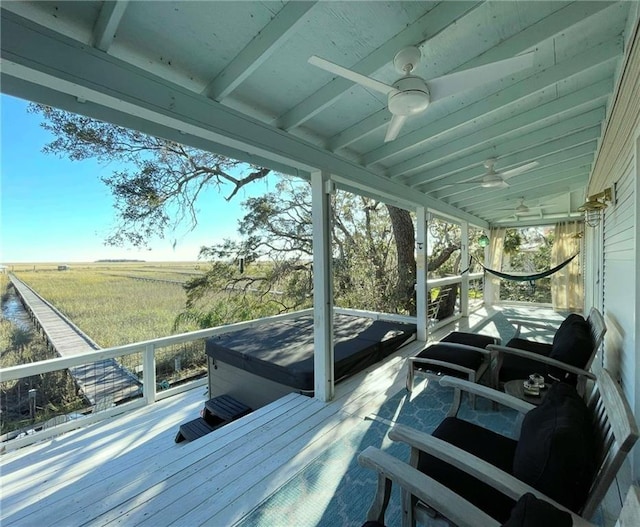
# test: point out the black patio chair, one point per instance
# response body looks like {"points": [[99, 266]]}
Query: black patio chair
{"points": [[459, 354], [569, 450], [575, 343]]}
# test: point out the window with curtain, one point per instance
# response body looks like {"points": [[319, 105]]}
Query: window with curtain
{"points": [[496, 249], [567, 285]]}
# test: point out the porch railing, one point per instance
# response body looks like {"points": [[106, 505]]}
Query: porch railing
{"points": [[148, 349], [476, 283]]}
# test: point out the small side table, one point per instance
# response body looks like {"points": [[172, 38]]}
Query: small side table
{"points": [[516, 388]]}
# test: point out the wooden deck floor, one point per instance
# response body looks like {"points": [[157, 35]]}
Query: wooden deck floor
{"points": [[129, 471]]}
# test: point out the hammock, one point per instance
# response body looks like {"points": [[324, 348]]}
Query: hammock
{"points": [[529, 277]]}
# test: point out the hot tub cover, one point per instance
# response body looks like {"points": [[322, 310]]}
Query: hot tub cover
{"points": [[283, 351]]}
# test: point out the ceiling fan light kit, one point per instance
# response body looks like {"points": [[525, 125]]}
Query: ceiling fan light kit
{"points": [[493, 181], [407, 59], [411, 97]]}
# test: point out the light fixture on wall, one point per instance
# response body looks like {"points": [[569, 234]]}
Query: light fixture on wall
{"points": [[594, 206], [483, 240]]}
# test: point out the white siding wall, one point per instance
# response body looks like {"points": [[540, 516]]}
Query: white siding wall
{"points": [[619, 278], [613, 249]]}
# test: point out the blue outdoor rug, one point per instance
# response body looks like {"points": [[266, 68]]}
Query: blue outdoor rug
{"points": [[333, 490]]}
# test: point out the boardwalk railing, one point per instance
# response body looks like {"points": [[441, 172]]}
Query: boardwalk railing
{"points": [[67, 339]]}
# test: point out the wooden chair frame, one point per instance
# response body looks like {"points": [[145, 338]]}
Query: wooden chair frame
{"points": [[613, 421], [453, 506], [488, 359]]}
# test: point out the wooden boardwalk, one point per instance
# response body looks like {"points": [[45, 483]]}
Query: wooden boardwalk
{"points": [[99, 381]]}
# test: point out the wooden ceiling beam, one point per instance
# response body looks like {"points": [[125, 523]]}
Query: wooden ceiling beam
{"points": [[547, 27], [263, 45], [565, 107], [104, 30], [431, 23]]}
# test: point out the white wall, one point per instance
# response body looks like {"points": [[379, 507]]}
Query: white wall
{"points": [[613, 248]]}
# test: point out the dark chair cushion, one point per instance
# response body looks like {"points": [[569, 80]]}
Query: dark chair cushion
{"points": [[572, 344], [539, 348], [470, 339], [514, 367], [555, 452], [462, 357], [532, 512], [372, 523], [485, 444]]}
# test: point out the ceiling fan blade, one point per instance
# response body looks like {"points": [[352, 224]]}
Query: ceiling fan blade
{"points": [[463, 80], [351, 75], [394, 127], [519, 170]]}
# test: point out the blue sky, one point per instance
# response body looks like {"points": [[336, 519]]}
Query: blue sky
{"points": [[57, 210]]}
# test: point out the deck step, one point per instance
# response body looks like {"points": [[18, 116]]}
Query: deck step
{"points": [[217, 412], [226, 408]]}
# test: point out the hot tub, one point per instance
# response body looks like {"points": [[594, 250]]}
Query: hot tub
{"points": [[262, 364]]}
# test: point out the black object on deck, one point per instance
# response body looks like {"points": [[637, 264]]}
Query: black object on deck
{"points": [[217, 412]]}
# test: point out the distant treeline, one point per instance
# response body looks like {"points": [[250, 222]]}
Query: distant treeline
{"points": [[117, 260]]}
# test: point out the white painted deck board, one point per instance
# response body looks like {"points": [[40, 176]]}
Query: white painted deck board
{"points": [[217, 470], [79, 457], [123, 482]]}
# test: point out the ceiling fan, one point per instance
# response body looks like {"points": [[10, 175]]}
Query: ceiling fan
{"points": [[411, 95], [495, 179], [521, 208]]}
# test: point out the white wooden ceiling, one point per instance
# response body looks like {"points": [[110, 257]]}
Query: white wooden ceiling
{"points": [[233, 77]]}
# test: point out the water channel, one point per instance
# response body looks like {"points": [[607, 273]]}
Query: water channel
{"points": [[14, 311]]}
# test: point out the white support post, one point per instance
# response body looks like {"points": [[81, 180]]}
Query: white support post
{"points": [[149, 374], [321, 189], [421, 274], [464, 256], [487, 286]]}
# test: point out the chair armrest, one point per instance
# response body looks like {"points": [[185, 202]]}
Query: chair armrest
{"points": [[542, 359], [463, 460], [440, 498], [488, 393], [426, 489]]}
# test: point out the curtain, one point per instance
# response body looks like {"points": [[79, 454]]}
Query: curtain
{"points": [[496, 249], [567, 287]]}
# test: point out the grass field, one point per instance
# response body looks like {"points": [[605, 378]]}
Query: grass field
{"points": [[114, 303]]}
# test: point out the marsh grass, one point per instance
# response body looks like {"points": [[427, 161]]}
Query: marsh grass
{"points": [[112, 308]]}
